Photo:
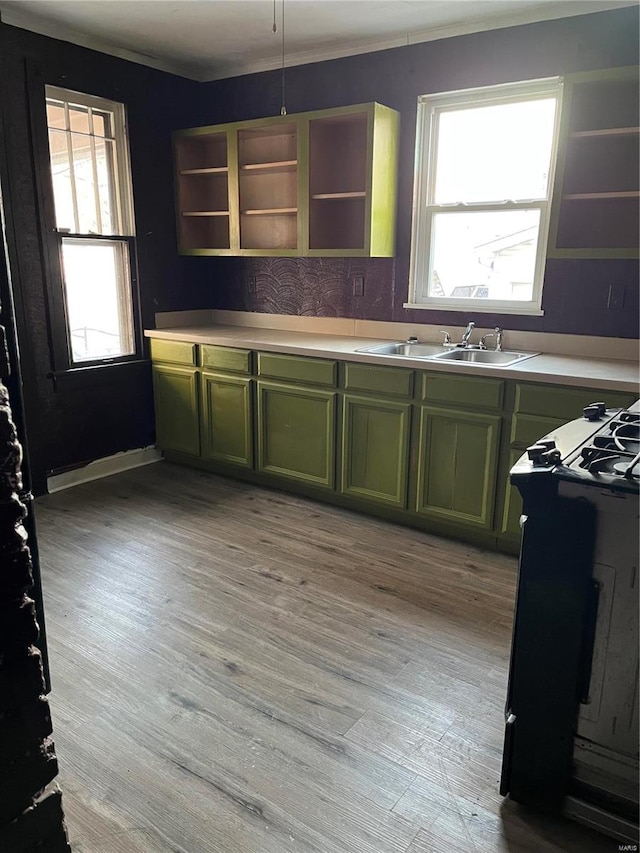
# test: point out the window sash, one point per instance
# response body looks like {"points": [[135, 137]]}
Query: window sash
{"points": [[424, 208]]}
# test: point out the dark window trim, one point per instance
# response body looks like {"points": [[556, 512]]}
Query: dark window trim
{"points": [[59, 343]]}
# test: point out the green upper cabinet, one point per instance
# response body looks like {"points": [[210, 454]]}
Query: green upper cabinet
{"points": [[597, 188], [320, 183], [296, 433], [457, 466], [227, 419], [175, 393]]}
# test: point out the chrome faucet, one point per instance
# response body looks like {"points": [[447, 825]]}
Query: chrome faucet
{"points": [[497, 334], [447, 338], [466, 335]]}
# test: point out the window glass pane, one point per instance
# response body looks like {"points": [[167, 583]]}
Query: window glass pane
{"points": [[98, 298], [61, 176], [484, 255], [494, 153], [85, 185], [55, 115], [106, 189], [101, 123], [79, 119]]}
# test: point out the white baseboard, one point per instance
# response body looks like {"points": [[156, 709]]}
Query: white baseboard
{"points": [[104, 468]]}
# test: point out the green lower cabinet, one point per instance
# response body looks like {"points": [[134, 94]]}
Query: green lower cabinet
{"points": [[375, 450], [296, 433], [227, 416], [175, 393], [457, 466], [512, 502]]}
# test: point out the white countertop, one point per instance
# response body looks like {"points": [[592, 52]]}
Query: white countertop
{"points": [[552, 369]]}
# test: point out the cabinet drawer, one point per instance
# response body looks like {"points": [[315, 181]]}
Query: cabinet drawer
{"points": [[565, 404], [391, 381], [225, 359], [176, 352], [527, 429], [309, 371], [472, 391]]}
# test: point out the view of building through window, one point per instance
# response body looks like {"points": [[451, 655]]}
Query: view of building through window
{"points": [[91, 188]]}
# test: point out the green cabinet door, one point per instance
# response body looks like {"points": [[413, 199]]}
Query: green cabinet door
{"points": [[296, 433], [375, 450], [457, 466], [226, 419], [175, 392]]}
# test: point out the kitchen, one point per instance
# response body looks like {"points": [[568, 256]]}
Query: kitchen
{"points": [[117, 401]]}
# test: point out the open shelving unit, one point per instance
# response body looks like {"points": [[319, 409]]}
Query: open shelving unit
{"points": [[597, 197], [305, 184], [202, 178]]}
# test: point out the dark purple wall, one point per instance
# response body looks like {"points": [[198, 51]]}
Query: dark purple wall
{"points": [[575, 293], [95, 413]]}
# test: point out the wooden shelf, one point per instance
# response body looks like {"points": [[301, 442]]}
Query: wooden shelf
{"points": [[586, 196], [276, 166], [209, 170], [268, 211], [322, 196], [205, 213], [609, 131]]}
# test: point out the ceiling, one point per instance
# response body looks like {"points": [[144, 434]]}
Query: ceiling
{"points": [[211, 39]]}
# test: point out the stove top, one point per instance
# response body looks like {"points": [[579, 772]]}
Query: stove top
{"points": [[600, 449], [614, 450]]}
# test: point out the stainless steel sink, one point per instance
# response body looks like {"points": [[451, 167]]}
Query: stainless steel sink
{"points": [[403, 348], [483, 356]]}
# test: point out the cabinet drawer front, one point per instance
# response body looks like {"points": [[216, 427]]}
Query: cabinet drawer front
{"points": [[176, 352], [473, 391], [391, 381], [565, 404], [527, 429], [225, 359], [310, 371]]}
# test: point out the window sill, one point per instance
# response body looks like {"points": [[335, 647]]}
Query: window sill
{"points": [[473, 308], [109, 371]]}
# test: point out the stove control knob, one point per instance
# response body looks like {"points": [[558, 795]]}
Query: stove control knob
{"points": [[548, 443], [593, 412], [602, 409], [535, 454], [551, 457]]}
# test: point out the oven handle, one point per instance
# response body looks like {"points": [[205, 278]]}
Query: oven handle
{"points": [[588, 642]]}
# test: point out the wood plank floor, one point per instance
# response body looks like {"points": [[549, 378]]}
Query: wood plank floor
{"points": [[236, 670]]}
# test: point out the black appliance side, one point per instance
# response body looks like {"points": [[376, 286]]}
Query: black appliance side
{"points": [[550, 641]]}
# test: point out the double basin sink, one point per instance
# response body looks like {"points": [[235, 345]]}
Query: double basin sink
{"points": [[465, 355]]}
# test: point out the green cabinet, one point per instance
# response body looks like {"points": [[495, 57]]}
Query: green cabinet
{"points": [[227, 419], [318, 183], [457, 466], [296, 433], [375, 449], [175, 391]]}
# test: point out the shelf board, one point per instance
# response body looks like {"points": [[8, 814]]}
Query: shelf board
{"points": [[321, 196], [268, 211], [607, 131], [585, 196], [210, 170], [276, 165], [205, 213]]}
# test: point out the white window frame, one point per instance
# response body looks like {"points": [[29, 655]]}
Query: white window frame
{"points": [[429, 109], [121, 232]]}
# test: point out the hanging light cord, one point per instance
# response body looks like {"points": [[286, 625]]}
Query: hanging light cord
{"points": [[283, 108]]}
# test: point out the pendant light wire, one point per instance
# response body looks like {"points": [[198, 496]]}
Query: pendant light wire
{"points": [[283, 108]]}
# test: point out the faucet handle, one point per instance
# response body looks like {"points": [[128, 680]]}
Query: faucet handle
{"points": [[447, 337], [482, 344]]}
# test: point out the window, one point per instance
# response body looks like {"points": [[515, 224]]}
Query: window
{"points": [[93, 226], [485, 160]]}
